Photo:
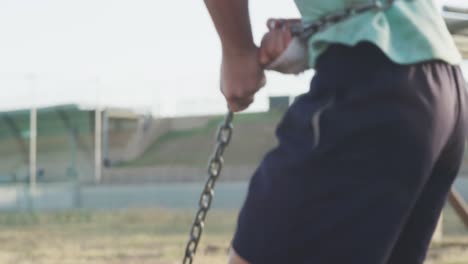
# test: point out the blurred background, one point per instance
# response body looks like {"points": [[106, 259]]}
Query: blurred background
{"points": [[107, 120]]}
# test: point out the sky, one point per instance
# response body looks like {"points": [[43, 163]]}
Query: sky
{"points": [[158, 56]]}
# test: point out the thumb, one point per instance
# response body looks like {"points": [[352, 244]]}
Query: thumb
{"points": [[262, 81], [263, 57]]}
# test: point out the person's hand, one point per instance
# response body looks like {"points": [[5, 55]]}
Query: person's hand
{"points": [[276, 40], [241, 77]]}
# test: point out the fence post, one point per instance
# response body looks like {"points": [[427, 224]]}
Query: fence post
{"points": [[98, 146]]}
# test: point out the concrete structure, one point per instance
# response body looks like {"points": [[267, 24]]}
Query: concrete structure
{"points": [[456, 17], [143, 131], [279, 103]]}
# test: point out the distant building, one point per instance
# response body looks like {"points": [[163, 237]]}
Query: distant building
{"points": [[65, 146], [279, 103]]}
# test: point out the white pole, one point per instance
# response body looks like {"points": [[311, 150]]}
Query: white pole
{"points": [[97, 139], [32, 136]]}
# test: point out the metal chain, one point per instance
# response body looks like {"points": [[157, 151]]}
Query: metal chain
{"points": [[215, 165], [306, 31]]}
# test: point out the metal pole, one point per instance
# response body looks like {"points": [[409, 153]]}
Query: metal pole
{"points": [[105, 135], [98, 146], [32, 136], [97, 138]]}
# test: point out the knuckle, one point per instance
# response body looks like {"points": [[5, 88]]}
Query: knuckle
{"points": [[233, 107], [228, 94], [241, 94], [237, 94], [271, 23]]}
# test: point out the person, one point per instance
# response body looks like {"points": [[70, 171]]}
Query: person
{"points": [[366, 158]]}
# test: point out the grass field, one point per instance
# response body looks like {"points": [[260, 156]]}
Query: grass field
{"points": [[145, 236], [130, 236]]}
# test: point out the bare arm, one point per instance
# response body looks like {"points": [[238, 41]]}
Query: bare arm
{"points": [[241, 73], [232, 21]]}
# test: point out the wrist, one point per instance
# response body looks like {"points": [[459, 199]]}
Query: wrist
{"points": [[239, 52]]}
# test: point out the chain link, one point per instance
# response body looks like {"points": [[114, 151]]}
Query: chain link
{"points": [[215, 166], [306, 31]]}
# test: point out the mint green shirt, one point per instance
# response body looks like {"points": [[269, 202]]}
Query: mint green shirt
{"points": [[408, 32]]}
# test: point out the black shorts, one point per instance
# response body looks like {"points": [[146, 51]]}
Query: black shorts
{"points": [[363, 167]]}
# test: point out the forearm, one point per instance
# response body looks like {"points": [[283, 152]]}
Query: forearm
{"points": [[232, 22]]}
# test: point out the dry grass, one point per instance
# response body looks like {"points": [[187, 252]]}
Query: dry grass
{"points": [[131, 236], [138, 236]]}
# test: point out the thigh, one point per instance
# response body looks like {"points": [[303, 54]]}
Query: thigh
{"points": [[342, 206], [341, 199], [416, 236]]}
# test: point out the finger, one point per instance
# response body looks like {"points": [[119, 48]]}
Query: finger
{"points": [[267, 50], [235, 107], [274, 23], [263, 56], [270, 45], [273, 45], [240, 104], [271, 23], [278, 43]]}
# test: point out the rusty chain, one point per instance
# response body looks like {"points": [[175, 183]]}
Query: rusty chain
{"points": [[215, 165]]}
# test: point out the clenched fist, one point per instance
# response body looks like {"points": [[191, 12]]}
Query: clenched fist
{"points": [[276, 40], [241, 77]]}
